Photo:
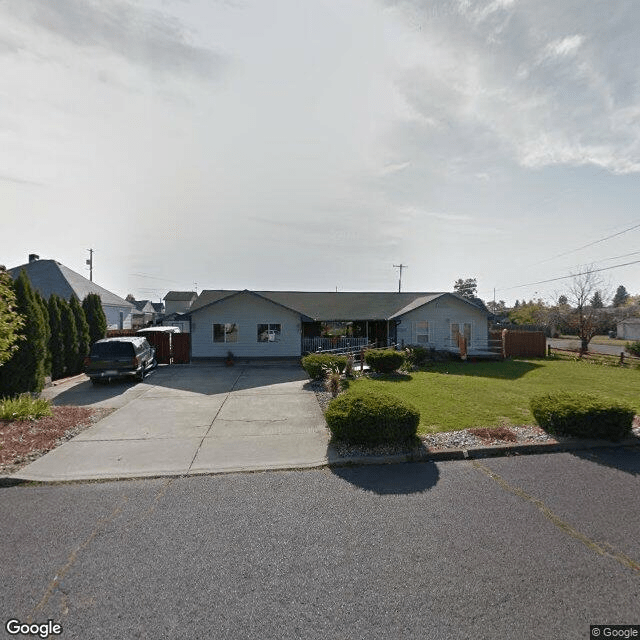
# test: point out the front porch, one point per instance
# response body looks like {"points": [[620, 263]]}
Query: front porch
{"points": [[322, 336]]}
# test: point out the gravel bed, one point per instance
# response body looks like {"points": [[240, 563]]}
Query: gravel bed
{"points": [[23, 441], [461, 439]]}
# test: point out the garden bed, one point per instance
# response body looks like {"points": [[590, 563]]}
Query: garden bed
{"points": [[23, 441]]}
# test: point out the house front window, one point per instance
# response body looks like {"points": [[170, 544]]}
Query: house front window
{"points": [[422, 332], [269, 332], [227, 332]]}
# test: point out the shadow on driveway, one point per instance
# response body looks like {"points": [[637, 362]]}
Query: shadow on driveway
{"points": [[191, 379], [626, 458], [396, 479]]}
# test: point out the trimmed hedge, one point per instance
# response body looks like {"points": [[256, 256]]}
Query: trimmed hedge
{"points": [[633, 348], [316, 364], [364, 417], [582, 415], [416, 354], [385, 361]]}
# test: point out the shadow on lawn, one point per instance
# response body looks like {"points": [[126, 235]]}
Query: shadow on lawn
{"points": [[503, 370]]}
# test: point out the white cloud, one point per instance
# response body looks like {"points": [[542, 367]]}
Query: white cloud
{"points": [[144, 37], [545, 83], [564, 47]]}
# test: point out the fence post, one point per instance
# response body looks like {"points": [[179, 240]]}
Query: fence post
{"points": [[621, 358], [361, 360], [548, 350]]}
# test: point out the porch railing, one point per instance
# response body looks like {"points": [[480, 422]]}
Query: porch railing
{"points": [[312, 345]]}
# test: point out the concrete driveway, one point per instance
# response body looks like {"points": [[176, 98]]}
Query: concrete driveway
{"points": [[191, 419]]}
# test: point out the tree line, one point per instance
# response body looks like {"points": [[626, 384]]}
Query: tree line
{"points": [[41, 338]]}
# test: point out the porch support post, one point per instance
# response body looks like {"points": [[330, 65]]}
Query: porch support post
{"points": [[387, 333], [366, 330]]}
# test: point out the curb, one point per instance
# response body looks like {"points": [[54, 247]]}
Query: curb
{"points": [[472, 453], [426, 455]]}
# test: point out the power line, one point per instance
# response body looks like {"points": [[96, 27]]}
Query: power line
{"points": [[573, 275], [589, 244]]}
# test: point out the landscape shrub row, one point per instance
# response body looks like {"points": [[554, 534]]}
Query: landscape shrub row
{"points": [[582, 415], [371, 418], [317, 364], [385, 360], [48, 337]]}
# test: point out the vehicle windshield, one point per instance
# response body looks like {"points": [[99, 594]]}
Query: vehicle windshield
{"points": [[112, 350]]}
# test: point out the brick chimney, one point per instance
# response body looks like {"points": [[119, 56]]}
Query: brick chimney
{"points": [[33, 257]]}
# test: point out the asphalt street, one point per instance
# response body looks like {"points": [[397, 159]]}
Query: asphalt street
{"points": [[521, 547]]}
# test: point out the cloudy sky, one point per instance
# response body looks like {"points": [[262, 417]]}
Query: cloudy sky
{"points": [[279, 144]]}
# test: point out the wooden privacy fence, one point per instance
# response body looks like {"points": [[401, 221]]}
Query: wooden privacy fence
{"points": [[170, 347], [181, 348], [515, 344]]}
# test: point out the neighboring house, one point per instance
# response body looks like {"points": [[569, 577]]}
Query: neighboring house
{"points": [[143, 315], [628, 329], [158, 309], [179, 301], [49, 276], [289, 323], [180, 320]]}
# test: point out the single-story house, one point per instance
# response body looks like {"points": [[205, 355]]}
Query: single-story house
{"points": [[179, 301], [291, 323], [628, 329], [49, 276]]}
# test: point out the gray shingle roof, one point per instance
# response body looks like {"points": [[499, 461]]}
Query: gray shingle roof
{"points": [[180, 296], [49, 276], [326, 306]]}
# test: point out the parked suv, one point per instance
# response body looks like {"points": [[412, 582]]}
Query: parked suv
{"points": [[119, 357]]}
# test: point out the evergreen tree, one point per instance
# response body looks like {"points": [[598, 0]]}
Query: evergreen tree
{"points": [[466, 288], [11, 322], [45, 314], [56, 339], [82, 328], [621, 297], [69, 338], [25, 370], [96, 319], [596, 301]]}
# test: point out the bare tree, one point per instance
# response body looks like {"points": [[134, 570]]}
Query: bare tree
{"points": [[586, 316]]}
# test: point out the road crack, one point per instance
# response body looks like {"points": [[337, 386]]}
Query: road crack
{"points": [[601, 548]]}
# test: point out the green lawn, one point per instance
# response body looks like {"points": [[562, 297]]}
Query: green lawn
{"points": [[459, 395]]}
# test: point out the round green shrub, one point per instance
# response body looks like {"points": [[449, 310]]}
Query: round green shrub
{"points": [[582, 415], [633, 348], [416, 354], [385, 361], [365, 417], [317, 364]]}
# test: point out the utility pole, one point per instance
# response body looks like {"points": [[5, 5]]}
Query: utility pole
{"points": [[401, 267], [90, 263]]}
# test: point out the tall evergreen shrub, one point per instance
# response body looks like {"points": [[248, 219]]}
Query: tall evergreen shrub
{"points": [[82, 329], [96, 319], [25, 370], [56, 339], [69, 338], [45, 314]]}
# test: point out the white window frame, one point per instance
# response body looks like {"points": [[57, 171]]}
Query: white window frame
{"points": [[230, 329], [277, 333], [422, 331]]}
